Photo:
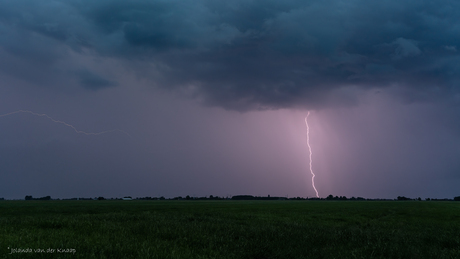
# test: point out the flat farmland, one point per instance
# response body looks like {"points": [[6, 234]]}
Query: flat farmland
{"points": [[229, 229]]}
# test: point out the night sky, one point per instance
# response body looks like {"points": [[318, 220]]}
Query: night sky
{"points": [[209, 97]]}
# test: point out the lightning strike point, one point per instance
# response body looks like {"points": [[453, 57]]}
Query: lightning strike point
{"points": [[309, 149]]}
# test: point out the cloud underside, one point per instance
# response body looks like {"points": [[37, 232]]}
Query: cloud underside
{"points": [[94, 82], [244, 55]]}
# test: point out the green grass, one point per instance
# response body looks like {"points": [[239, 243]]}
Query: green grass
{"points": [[231, 229]]}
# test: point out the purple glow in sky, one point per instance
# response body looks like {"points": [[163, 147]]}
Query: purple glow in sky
{"points": [[214, 96]]}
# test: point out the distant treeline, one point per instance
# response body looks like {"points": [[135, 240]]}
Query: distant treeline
{"points": [[29, 198], [336, 198], [246, 197]]}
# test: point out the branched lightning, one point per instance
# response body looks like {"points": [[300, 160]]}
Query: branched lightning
{"points": [[64, 123], [309, 149]]}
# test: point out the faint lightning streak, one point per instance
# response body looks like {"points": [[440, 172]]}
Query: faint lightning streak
{"points": [[64, 123], [309, 149]]}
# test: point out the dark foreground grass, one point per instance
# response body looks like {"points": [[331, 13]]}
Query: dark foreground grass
{"points": [[229, 229]]}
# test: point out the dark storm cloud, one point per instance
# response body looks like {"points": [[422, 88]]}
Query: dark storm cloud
{"points": [[93, 82], [252, 54]]}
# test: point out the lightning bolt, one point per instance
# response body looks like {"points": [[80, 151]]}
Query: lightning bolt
{"points": [[65, 123], [309, 149]]}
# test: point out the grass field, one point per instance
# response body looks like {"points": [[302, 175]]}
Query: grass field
{"points": [[229, 229]]}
